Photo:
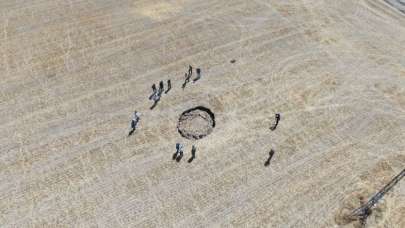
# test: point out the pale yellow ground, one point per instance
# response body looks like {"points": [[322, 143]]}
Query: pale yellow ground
{"points": [[73, 71]]}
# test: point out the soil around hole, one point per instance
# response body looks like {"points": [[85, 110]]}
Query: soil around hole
{"points": [[196, 123]]}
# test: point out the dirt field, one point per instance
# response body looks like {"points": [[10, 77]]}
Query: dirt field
{"points": [[73, 71]]}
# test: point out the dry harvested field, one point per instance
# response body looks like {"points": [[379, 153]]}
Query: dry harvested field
{"points": [[73, 71]]}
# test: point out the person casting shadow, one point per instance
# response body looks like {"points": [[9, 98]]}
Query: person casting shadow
{"points": [[271, 153], [134, 122], [179, 152], [154, 92], [193, 150], [186, 80], [156, 99], [278, 117], [190, 70], [179, 157], [161, 87]]}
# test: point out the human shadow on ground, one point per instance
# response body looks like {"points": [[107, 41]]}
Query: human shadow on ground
{"points": [[131, 132], [271, 154]]}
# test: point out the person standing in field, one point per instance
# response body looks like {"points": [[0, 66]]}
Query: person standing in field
{"points": [[134, 122], [278, 117], [186, 80], [156, 99], [271, 154], [190, 70], [154, 91], [179, 152], [193, 150], [161, 87]]}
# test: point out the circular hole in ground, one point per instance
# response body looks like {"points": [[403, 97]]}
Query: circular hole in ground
{"points": [[196, 123]]}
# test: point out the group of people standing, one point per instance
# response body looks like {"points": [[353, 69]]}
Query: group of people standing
{"points": [[179, 153], [156, 95], [187, 76], [158, 92]]}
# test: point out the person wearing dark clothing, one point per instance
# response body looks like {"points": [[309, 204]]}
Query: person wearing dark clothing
{"points": [[154, 91], [271, 154], [190, 70], [186, 80], [159, 93], [180, 156], [134, 122], [278, 117], [179, 152], [187, 76], [156, 99], [193, 150], [161, 86], [198, 71], [169, 86]]}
